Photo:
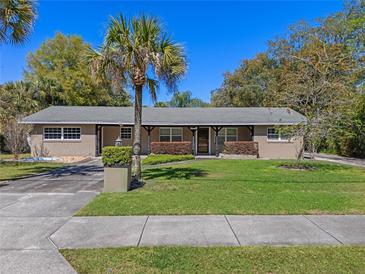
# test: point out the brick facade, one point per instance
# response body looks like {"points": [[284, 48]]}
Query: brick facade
{"points": [[242, 148], [171, 148]]}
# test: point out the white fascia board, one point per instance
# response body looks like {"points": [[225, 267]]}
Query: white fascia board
{"points": [[161, 124]]}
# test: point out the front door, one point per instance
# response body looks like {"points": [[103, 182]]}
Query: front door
{"points": [[203, 140]]}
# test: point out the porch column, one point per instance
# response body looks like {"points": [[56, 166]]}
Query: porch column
{"points": [[96, 140], [99, 133], [216, 131], [193, 131], [149, 129], [252, 131]]}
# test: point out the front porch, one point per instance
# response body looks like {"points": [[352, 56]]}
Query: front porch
{"points": [[202, 140]]}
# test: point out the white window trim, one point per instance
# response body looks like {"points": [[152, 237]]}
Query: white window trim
{"points": [[225, 134], [120, 133], [171, 128], [62, 139], [279, 140]]}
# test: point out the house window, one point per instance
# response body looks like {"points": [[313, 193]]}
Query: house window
{"points": [[52, 133], [227, 135], [59, 133], [126, 133], [173, 134], [275, 135], [72, 133]]}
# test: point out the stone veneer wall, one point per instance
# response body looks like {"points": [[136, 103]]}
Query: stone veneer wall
{"points": [[241, 147], [171, 148]]}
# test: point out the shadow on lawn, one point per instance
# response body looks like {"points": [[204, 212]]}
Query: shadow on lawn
{"points": [[50, 171], [173, 173]]}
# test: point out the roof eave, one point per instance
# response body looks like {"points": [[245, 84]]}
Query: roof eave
{"points": [[159, 124]]}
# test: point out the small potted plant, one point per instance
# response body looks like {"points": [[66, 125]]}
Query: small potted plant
{"points": [[117, 168]]}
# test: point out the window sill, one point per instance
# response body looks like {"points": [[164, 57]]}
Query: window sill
{"points": [[61, 141], [278, 141]]}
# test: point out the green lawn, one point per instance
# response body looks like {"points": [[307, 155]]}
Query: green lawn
{"points": [[155, 159], [15, 170], [218, 260], [6, 156], [239, 187]]}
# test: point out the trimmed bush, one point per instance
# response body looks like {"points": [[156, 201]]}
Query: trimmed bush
{"points": [[173, 148], [155, 159], [241, 148], [113, 156]]}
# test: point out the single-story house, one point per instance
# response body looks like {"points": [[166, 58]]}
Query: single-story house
{"points": [[83, 131]]}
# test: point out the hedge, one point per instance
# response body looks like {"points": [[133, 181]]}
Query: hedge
{"points": [[113, 156]]}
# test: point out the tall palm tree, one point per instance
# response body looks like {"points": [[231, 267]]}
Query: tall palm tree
{"points": [[138, 53], [16, 20]]}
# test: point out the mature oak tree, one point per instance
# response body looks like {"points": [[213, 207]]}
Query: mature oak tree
{"points": [[317, 69], [61, 76], [248, 85]]}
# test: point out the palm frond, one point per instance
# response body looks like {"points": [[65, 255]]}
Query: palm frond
{"points": [[173, 62], [153, 86], [137, 51], [16, 20]]}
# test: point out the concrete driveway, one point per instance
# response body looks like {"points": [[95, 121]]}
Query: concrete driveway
{"points": [[340, 159], [32, 209], [82, 177]]}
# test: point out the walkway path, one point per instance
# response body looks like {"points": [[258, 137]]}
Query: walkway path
{"points": [[340, 159], [94, 232]]}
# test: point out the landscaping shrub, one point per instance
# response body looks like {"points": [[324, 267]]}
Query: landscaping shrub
{"points": [[113, 156], [312, 165], [241, 148], [298, 166], [155, 159], [172, 148]]}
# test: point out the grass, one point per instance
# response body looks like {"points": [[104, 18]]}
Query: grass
{"points": [[155, 159], [218, 260], [16, 170], [239, 187], [6, 156]]}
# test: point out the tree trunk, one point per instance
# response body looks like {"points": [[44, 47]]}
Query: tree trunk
{"points": [[137, 130]]}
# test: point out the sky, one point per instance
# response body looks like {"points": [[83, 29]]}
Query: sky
{"points": [[216, 35]]}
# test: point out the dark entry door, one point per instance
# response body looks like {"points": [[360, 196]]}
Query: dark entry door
{"points": [[203, 140]]}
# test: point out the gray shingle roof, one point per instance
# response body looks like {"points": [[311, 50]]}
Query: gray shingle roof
{"points": [[166, 116]]}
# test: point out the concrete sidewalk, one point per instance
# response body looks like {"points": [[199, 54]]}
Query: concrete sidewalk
{"points": [[94, 232]]}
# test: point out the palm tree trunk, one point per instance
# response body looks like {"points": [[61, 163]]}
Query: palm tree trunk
{"points": [[137, 130]]}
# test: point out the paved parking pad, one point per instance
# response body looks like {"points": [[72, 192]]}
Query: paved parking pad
{"points": [[71, 179], [93, 232], [33, 262], [56, 185], [32, 209], [348, 229], [46, 204], [278, 230], [8, 199], [188, 230]]}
